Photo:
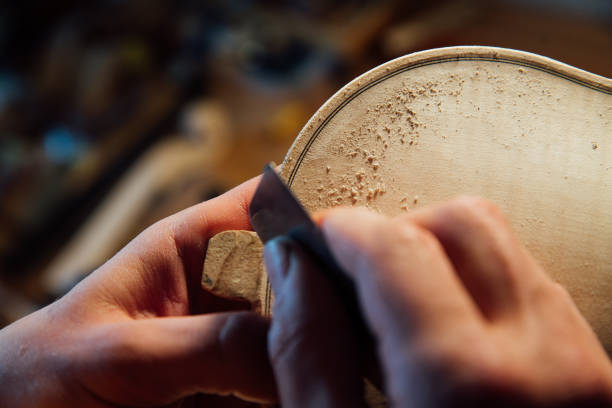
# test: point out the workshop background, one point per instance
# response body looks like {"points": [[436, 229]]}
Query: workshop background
{"points": [[114, 114]]}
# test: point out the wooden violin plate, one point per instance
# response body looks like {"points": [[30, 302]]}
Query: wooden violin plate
{"points": [[529, 133]]}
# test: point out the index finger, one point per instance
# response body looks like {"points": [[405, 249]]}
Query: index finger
{"points": [[191, 228], [490, 261], [166, 259], [405, 281]]}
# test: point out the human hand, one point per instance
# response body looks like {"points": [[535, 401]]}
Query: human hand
{"points": [[462, 315], [140, 331]]}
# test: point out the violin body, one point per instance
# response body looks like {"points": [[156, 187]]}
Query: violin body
{"points": [[529, 133]]}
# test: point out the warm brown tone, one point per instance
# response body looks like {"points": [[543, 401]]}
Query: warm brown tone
{"points": [[527, 132], [234, 268]]}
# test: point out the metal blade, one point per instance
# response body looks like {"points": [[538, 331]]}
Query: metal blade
{"points": [[274, 209]]}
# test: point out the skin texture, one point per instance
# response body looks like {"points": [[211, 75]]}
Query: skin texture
{"points": [[461, 313], [140, 331]]}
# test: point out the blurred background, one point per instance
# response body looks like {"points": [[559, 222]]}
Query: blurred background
{"points": [[114, 114]]}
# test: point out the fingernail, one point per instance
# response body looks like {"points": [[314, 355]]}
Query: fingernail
{"points": [[276, 258]]}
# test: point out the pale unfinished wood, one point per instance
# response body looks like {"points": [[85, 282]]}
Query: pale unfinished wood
{"points": [[527, 132], [234, 268], [530, 133]]}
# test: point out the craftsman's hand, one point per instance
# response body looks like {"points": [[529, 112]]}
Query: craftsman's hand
{"points": [[134, 333], [462, 315]]}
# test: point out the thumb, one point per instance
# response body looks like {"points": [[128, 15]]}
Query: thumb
{"points": [[312, 348], [158, 361]]}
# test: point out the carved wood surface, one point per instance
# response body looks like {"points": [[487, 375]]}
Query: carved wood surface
{"points": [[530, 133]]}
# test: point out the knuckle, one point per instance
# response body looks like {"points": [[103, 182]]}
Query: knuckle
{"points": [[123, 342], [409, 234], [116, 345], [558, 291], [409, 239], [550, 294], [471, 361], [478, 208], [394, 239]]}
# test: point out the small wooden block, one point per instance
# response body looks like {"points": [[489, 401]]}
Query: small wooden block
{"points": [[234, 269]]}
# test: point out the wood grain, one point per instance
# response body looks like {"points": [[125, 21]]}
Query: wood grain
{"points": [[525, 131], [530, 133]]}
